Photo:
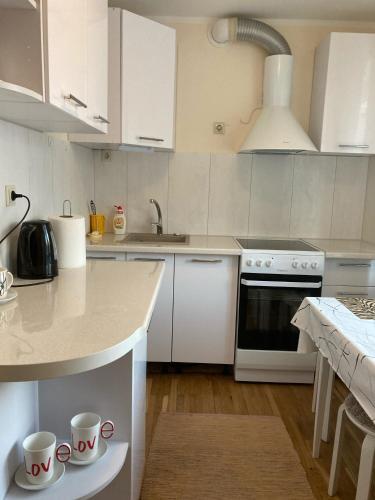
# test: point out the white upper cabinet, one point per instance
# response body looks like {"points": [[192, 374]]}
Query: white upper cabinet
{"points": [[142, 81], [148, 82], [97, 64], [67, 46], [53, 65], [342, 116]]}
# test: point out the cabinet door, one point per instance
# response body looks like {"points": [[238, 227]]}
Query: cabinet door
{"points": [[349, 123], [348, 291], [148, 82], [97, 63], [159, 336], [204, 315], [66, 55]]}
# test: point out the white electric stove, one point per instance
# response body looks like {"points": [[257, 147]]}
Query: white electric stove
{"points": [[275, 276]]}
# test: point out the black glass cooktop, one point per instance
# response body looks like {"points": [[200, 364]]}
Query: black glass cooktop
{"points": [[283, 245]]}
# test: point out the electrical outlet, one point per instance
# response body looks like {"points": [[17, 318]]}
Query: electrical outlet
{"points": [[8, 191], [106, 155]]}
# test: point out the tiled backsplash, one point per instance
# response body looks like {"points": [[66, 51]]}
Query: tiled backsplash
{"points": [[47, 169], [279, 195]]}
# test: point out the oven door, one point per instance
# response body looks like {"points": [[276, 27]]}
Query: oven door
{"points": [[267, 303]]}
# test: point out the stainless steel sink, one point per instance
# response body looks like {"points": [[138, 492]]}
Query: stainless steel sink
{"points": [[156, 238]]}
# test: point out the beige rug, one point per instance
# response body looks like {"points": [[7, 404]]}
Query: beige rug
{"points": [[212, 457]]}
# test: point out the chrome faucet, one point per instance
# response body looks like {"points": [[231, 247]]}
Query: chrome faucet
{"points": [[159, 223]]}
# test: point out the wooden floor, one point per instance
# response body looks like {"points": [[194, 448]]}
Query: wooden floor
{"points": [[206, 389]]}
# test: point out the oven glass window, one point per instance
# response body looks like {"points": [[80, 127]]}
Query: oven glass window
{"points": [[265, 314]]}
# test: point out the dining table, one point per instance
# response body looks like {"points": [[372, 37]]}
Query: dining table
{"points": [[343, 331]]}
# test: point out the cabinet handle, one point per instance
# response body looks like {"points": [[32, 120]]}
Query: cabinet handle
{"points": [[144, 138], [90, 257], [72, 97], [342, 264], [359, 146], [101, 118], [209, 261], [145, 259], [352, 294]]}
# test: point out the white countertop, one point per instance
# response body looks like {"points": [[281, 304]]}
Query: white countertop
{"points": [[345, 249], [86, 318], [214, 245]]}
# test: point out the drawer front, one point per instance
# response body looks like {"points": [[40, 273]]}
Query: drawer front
{"points": [[348, 291], [349, 272], [105, 256]]}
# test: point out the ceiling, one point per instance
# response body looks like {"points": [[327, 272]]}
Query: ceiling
{"points": [[353, 10]]}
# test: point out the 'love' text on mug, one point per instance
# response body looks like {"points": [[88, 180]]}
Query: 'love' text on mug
{"points": [[36, 468]]}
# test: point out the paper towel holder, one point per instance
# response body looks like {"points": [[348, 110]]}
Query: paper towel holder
{"points": [[70, 210]]}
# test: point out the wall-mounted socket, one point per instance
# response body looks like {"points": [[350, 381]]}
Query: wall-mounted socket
{"points": [[219, 128], [8, 191], [106, 155]]}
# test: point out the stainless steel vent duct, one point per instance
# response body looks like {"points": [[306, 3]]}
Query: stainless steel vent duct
{"points": [[276, 129], [251, 30]]}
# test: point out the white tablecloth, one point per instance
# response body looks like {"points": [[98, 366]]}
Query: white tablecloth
{"points": [[347, 341]]}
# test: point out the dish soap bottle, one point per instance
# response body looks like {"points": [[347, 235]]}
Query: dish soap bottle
{"points": [[119, 220]]}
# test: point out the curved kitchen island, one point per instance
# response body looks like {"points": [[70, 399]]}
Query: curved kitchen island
{"points": [[79, 344]]}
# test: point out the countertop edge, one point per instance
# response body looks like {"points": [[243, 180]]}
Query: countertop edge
{"points": [[162, 249]]}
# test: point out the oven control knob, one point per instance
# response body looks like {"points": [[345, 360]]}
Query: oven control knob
{"points": [[304, 265], [314, 265], [250, 262], [259, 263], [295, 264], [268, 263]]}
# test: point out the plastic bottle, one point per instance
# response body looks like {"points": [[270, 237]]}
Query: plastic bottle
{"points": [[119, 220]]}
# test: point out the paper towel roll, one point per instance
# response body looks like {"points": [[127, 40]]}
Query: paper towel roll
{"points": [[70, 235]]}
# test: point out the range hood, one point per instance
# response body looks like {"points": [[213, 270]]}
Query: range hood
{"points": [[276, 130]]}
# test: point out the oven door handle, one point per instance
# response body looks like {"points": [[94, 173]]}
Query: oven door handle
{"points": [[281, 284]]}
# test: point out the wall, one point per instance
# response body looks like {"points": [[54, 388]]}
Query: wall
{"points": [[46, 168], [202, 193], [225, 84]]}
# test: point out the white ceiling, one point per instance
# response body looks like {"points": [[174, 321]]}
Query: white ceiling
{"points": [[353, 10]]}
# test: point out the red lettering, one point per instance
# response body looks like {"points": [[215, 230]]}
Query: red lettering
{"points": [[35, 469], [91, 445], [81, 446], [46, 467]]}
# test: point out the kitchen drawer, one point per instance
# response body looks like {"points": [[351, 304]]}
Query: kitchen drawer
{"points": [[106, 256], [348, 291], [349, 272]]}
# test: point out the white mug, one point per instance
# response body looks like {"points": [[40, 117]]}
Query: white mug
{"points": [[39, 451], [6, 281], [87, 429]]}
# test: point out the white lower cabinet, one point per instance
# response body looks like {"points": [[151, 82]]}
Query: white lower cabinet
{"points": [[348, 291], [159, 337], [349, 277], [204, 315]]}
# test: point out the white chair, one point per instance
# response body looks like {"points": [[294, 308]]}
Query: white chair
{"points": [[353, 411]]}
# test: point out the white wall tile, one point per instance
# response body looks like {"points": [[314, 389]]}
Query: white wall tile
{"points": [[147, 178], [41, 178], [349, 197], [110, 184], [368, 232], [229, 197], [48, 169], [313, 186], [271, 193], [188, 193]]}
